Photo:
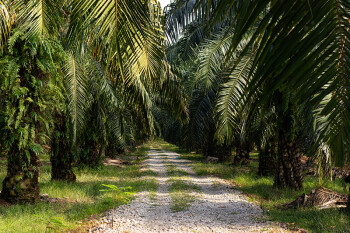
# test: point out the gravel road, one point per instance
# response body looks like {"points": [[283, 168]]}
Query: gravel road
{"points": [[216, 206]]}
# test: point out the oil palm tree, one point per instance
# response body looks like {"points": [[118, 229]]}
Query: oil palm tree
{"points": [[29, 96], [298, 52], [123, 37], [301, 53]]}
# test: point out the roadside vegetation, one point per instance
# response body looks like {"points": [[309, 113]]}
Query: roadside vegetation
{"points": [[79, 202], [86, 80], [175, 172], [181, 192], [260, 190]]}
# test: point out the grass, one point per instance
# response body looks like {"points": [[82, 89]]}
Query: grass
{"points": [[180, 192], [78, 200], [181, 201], [152, 195], [182, 185], [260, 190], [173, 171], [222, 170]]}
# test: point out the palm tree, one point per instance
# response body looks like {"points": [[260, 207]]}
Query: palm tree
{"points": [[123, 37], [312, 65], [298, 52], [29, 97]]}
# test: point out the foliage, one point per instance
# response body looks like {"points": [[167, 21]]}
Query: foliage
{"points": [[77, 201], [29, 94], [312, 69], [260, 190], [121, 194]]}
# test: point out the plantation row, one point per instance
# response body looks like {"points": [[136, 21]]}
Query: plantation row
{"points": [[86, 79], [269, 77], [77, 84]]}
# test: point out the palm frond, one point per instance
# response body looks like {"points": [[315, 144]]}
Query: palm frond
{"points": [[210, 61], [38, 18], [78, 94], [302, 47], [6, 21]]}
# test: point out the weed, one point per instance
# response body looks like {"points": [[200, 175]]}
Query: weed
{"points": [[121, 194], [152, 195], [178, 184], [180, 192], [181, 201]]}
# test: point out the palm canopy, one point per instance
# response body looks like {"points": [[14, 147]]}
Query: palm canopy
{"points": [[300, 48], [119, 42]]}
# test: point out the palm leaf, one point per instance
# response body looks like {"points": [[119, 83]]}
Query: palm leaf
{"points": [[78, 94], [6, 22]]}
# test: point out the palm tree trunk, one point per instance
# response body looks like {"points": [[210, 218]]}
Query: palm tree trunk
{"points": [[348, 203], [113, 149], [224, 152], [93, 158], [209, 148], [267, 159], [62, 168], [242, 153], [61, 155], [288, 173], [21, 183]]}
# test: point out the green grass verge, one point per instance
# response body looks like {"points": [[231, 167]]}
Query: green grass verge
{"points": [[182, 184], [78, 200], [260, 190], [181, 193], [173, 171], [181, 201]]}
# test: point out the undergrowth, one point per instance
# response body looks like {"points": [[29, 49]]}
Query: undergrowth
{"points": [[261, 191], [77, 201]]}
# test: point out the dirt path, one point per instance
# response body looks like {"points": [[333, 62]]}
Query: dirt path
{"points": [[185, 202]]}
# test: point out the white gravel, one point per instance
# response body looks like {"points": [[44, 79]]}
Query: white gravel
{"points": [[217, 207]]}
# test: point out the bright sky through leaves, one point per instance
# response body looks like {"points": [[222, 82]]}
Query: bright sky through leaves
{"points": [[163, 3]]}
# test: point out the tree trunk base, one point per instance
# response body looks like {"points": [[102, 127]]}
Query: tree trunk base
{"points": [[267, 159], [288, 172], [224, 153], [62, 171], [21, 185], [348, 204], [242, 155], [61, 154], [94, 157], [266, 163]]}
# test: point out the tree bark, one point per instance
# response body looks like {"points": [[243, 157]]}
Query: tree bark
{"points": [[209, 148], [62, 168], [288, 169], [224, 153], [113, 150], [21, 183], [61, 155], [348, 204], [267, 159], [242, 153], [289, 172], [93, 158]]}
